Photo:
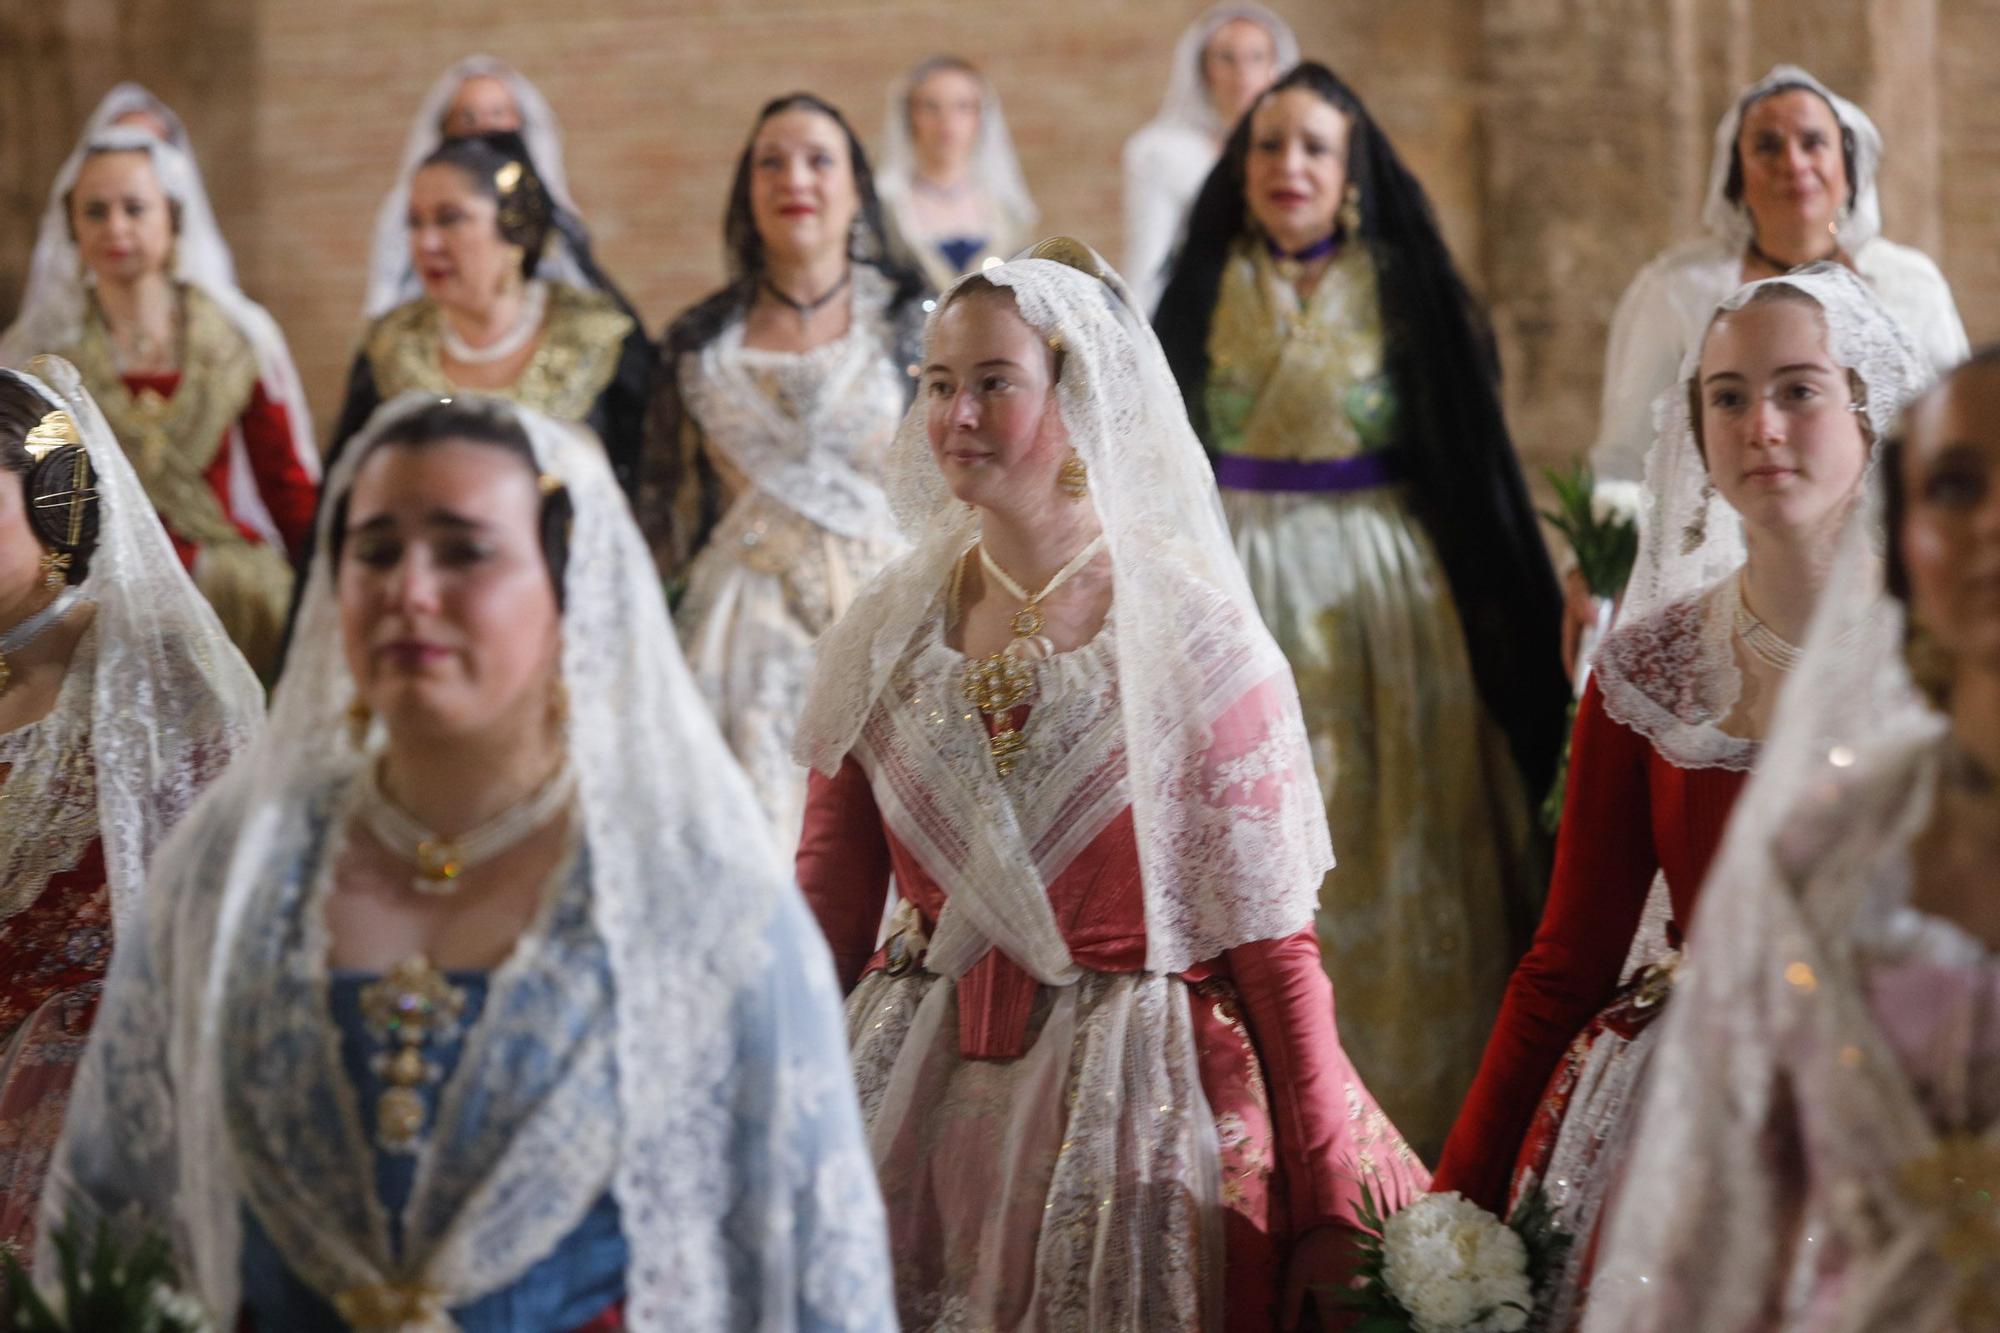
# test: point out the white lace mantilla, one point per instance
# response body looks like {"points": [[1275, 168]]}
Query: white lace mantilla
{"points": [[810, 429], [1673, 679]]}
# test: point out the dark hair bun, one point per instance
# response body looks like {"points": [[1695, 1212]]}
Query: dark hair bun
{"points": [[63, 506]]}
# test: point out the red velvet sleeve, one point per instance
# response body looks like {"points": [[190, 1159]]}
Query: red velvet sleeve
{"points": [[288, 490], [1288, 1004], [1605, 863], [843, 866]]}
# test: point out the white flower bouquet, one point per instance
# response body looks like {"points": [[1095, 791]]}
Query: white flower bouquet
{"points": [[102, 1287], [1443, 1264]]}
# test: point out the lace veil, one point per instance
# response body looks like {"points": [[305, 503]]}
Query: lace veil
{"points": [[994, 164], [52, 314], [1860, 222], [54, 262], [1232, 836], [1773, 1076], [171, 700], [1668, 667], [684, 885], [391, 281]]}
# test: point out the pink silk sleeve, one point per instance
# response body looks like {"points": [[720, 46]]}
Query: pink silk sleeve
{"points": [[1329, 1128], [843, 866]]}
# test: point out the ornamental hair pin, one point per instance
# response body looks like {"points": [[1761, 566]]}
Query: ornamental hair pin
{"points": [[548, 483], [52, 432], [508, 178]]}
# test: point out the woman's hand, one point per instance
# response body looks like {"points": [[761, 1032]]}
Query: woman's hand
{"points": [[1326, 1256]]}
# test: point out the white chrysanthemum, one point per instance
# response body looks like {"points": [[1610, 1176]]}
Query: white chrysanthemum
{"points": [[1456, 1268], [1616, 501], [184, 1308]]}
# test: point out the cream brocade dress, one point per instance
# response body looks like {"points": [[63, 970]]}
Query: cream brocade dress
{"points": [[1428, 819], [799, 439]]}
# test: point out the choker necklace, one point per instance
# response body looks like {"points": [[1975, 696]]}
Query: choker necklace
{"points": [[1319, 249], [1763, 256], [440, 862], [534, 301], [805, 310], [1005, 681], [25, 633]]}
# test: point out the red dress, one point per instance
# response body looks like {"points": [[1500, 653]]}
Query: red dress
{"points": [[1627, 814], [267, 465], [1294, 1120], [53, 954]]}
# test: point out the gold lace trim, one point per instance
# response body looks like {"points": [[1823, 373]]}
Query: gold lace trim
{"points": [[172, 442], [1279, 372], [583, 336]]}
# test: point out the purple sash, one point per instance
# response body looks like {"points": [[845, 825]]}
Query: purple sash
{"points": [[1362, 472]]}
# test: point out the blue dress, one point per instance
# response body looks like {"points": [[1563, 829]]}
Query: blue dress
{"points": [[580, 1281]]}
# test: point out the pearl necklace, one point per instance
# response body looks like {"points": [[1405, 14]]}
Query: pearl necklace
{"points": [[999, 684], [441, 862], [25, 633], [1764, 643], [534, 302]]}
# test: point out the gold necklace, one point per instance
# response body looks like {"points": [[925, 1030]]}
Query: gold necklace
{"points": [[999, 684]]}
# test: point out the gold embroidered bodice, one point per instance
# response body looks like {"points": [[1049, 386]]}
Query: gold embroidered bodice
{"points": [[1292, 379], [583, 336]]}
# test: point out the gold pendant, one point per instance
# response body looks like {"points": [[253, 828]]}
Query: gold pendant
{"points": [[6, 674], [438, 867], [410, 1006], [996, 687], [1027, 622]]}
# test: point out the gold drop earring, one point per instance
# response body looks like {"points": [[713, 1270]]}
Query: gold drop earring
{"points": [[1073, 478]]}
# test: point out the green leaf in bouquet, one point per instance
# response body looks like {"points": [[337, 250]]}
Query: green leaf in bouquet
{"points": [[1547, 1243], [102, 1288]]}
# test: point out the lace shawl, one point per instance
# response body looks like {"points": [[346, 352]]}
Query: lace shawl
{"points": [[731, 1133], [808, 430], [1231, 830], [1668, 667], [1780, 1139]]}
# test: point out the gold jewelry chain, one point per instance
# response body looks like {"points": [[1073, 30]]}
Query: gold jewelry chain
{"points": [[441, 861]]}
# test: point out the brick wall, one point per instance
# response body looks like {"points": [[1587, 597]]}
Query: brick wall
{"points": [[1563, 141]]}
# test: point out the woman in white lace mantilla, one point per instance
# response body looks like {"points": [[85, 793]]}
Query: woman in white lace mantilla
{"points": [[120, 700], [953, 199], [1792, 180], [1819, 1148], [1097, 1057], [1221, 62], [1765, 445], [479, 95], [518, 1028], [136, 289], [772, 411]]}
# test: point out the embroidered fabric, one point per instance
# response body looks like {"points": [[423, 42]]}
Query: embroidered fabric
{"points": [[808, 429], [1668, 668], [1787, 1172], [391, 281], [1231, 832], [53, 311], [1098, 1142], [156, 698], [48, 794], [729, 1131]]}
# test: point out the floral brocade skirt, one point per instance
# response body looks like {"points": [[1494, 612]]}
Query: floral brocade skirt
{"points": [[763, 590], [1422, 920], [1121, 1175], [1581, 1133]]}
